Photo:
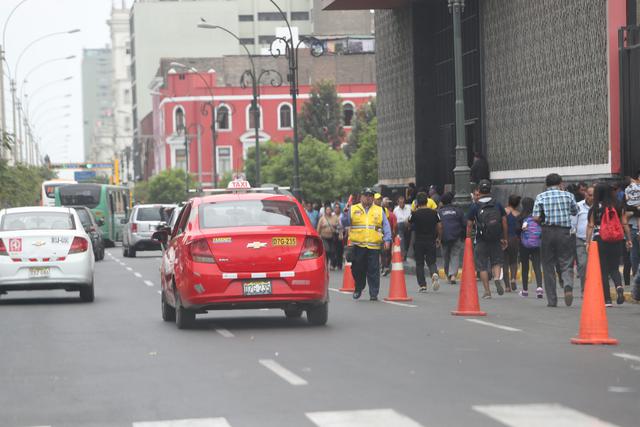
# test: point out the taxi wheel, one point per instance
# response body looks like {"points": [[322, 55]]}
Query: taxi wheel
{"points": [[293, 313], [86, 293], [132, 252], [185, 318], [168, 312], [318, 315]]}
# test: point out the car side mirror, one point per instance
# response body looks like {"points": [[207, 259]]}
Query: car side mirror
{"points": [[161, 236]]}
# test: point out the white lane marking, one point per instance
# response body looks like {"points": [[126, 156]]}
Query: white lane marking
{"points": [[193, 422], [618, 389], [627, 356], [225, 333], [282, 372], [544, 414], [494, 325], [138, 275], [148, 283], [339, 291], [159, 292], [401, 304], [364, 418], [129, 269]]}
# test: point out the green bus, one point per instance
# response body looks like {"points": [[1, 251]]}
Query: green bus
{"points": [[109, 202]]}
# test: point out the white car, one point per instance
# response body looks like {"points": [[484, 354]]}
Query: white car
{"points": [[45, 248]]}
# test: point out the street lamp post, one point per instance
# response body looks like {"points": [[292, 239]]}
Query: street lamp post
{"points": [[291, 53], [461, 172], [249, 77], [210, 105]]}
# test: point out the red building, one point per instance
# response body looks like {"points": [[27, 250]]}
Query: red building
{"points": [[180, 113]]}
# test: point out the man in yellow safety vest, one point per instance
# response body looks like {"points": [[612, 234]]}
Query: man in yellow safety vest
{"points": [[369, 232]]}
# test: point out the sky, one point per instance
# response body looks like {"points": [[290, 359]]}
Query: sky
{"points": [[59, 128]]}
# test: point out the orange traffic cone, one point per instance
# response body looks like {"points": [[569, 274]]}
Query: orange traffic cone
{"points": [[398, 286], [594, 327], [348, 284], [468, 304]]}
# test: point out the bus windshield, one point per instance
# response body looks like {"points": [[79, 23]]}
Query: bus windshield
{"points": [[80, 195]]}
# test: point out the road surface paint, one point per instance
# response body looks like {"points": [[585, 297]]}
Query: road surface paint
{"points": [[194, 422], [282, 372], [537, 415], [225, 333], [627, 356], [494, 325], [364, 418], [148, 283]]}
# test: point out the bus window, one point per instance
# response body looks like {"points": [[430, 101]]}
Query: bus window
{"points": [[80, 195]]}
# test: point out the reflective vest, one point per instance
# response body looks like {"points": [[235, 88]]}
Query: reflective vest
{"points": [[366, 227]]}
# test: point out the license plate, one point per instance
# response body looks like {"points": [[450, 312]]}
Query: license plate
{"points": [[256, 288], [39, 272], [284, 241]]}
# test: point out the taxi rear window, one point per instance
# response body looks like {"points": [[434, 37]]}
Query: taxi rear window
{"points": [[248, 213], [37, 221]]}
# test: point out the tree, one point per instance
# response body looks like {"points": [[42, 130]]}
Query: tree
{"points": [[325, 171], [168, 187], [268, 151], [321, 115], [21, 184], [363, 117], [364, 162]]}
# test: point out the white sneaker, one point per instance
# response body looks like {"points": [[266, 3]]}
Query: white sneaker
{"points": [[435, 281]]}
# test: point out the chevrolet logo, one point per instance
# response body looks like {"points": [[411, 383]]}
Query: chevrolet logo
{"points": [[256, 245], [39, 243]]}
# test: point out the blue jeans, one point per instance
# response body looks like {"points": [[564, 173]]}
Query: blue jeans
{"points": [[366, 268]]}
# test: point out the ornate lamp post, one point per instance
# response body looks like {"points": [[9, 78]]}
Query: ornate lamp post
{"points": [[291, 53], [250, 78], [461, 171]]}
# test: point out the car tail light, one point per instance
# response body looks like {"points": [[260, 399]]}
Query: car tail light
{"points": [[200, 252], [3, 250], [312, 248], [134, 228], [78, 245]]}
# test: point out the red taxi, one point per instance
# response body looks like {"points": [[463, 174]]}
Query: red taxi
{"points": [[243, 249]]}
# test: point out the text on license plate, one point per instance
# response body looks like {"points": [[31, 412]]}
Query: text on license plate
{"points": [[284, 241], [257, 288], [35, 272]]}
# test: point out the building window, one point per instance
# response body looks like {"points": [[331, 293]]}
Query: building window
{"points": [[247, 40], [250, 117], [178, 120], [266, 39], [299, 16], [284, 116], [127, 96], [245, 18], [181, 159], [222, 118], [269, 16], [347, 114], [224, 160]]}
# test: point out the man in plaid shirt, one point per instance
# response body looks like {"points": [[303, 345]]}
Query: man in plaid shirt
{"points": [[553, 209]]}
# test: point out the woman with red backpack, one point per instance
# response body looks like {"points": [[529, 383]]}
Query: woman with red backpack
{"points": [[608, 226]]}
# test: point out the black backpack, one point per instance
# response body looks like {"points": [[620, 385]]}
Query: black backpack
{"points": [[489, 221]]}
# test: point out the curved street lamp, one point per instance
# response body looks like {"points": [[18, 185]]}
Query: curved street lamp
{"points": [[37, 67], [44, 86], [38, 108], [291, 53], [275, 81]]}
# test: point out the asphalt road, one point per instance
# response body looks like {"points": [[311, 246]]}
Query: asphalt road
{"points": [[116, 363]]}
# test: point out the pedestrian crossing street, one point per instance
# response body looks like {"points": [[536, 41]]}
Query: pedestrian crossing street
{"points": [[529, 415]]}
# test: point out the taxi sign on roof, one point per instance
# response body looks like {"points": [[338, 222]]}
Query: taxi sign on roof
{"points": [[239, 184]]}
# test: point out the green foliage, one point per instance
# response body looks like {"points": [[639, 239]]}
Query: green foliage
{"points": [[321, 115], [225, 179], [363, 117], [6, 139], [168, 187], [364, 162], [21, 184], [268, 151], [141, 192], [325, 172]]}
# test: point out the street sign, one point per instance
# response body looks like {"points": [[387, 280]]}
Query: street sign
{"points": [[83, 176]]}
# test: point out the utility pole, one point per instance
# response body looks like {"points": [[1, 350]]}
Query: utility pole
{"points": [[461, 172], [3, 118], [16, 144]]}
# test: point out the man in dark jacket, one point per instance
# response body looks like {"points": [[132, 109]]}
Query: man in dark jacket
{"points": [[428, 231], [479, 169], [453, 232]]}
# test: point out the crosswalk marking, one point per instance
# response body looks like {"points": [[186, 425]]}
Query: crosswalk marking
{"points": [[193, 422], [225, 333], [148, 283], [364, 418], [544, 414], [282, 372]]}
